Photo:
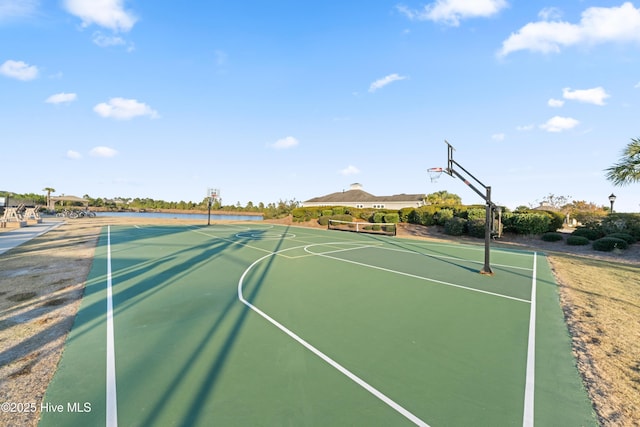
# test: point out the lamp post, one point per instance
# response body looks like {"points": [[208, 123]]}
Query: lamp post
{"points": [[612, 199]]}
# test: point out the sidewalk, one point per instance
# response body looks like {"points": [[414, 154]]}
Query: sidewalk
{"points": [[13, 238]]}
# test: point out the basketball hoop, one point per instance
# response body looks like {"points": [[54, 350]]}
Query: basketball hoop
{"points": [[434, 174]]}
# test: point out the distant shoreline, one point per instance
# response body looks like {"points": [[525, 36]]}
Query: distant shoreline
{"points": [[178, 211]]}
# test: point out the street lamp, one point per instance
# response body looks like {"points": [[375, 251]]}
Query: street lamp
{"points": [[612, 198]]}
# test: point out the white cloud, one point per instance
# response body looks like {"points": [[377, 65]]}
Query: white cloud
{"points": [[555, 103], [452, 11], [285, 143], [61, 98], [102, 151], [102, 40], [596, 96], [350, 170], [525, 128], [74, 155], [124, 109], [637, 86], [104, 13], [498, 136], [19, 70], [550, 14], [17, 8], [559, 124], [380, 83], [597, 25]]}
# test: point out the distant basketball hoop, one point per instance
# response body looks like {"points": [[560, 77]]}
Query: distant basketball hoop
{"points": [[434, 174], [214, 195]]}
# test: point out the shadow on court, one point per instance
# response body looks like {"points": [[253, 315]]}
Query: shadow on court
{"points": [[420, 252], [194, 412]]}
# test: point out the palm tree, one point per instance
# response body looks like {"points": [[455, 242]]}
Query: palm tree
{"points": [[627, 170], [49, 190]]}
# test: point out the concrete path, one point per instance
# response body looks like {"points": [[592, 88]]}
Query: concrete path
{"points": [[13, 238]]}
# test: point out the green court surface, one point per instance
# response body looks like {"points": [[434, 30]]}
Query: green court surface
{"points": [[259, 325]]}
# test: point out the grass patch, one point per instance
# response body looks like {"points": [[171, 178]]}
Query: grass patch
{"points": [[601, 301]]}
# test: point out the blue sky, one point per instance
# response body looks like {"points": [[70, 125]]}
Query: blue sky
{"points": [[292, 100]]}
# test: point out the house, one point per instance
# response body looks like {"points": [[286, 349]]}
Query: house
{"points": [[356, 197]]}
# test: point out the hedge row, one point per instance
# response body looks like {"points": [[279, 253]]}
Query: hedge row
{"points": [[521, 222], [626, 223], [344, 213], [615, 231], [584, 236]]}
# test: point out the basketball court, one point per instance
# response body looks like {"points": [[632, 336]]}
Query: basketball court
{"points": [[240, 325]]}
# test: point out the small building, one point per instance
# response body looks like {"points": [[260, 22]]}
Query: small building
{"points": [[356, 197], [61, 199]]}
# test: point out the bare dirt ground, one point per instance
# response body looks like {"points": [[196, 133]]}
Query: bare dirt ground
{"points": [[41, 284]]}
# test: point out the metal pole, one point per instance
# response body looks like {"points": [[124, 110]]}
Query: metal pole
{"points": [[487, 236], [487, 197], [209, 216]]}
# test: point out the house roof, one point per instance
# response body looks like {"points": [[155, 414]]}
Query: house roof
{"points": [[68, 199], [359, 196]]}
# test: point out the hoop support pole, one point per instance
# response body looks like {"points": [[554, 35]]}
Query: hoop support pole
{"points": [[486, 269]]}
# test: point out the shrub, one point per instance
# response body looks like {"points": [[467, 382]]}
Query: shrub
{"points": [[299, 214], [392, 218], [476, 227], [556, 220], [607, 244], [526, 222], [405, 213], [413, 217], [338, 210], [426, 217], [454, 226], [589, 232], [443, 216], [477, 214], [624, 236], [324, 220], [577, 240], [345, 217], [378, 217], [622, 223], [327, 212], [552, 236]]}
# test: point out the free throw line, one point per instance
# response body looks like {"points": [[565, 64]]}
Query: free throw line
{"points": [[112, 401]]}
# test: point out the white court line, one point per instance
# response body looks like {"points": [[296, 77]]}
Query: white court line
{"points": [[529, 391], [471, 247], [311, 254], [112, 401], [417, 421], [422, 278], [454, 258]]}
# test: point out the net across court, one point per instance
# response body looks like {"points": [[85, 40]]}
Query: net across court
{"points": [[274, 325]]}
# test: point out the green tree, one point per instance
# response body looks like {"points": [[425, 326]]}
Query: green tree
{"points": [[627, 170], [586, 212], [443, 198], [49, 190]]}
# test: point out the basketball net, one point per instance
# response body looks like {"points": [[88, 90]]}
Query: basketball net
{"points": [[434, 174]]}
